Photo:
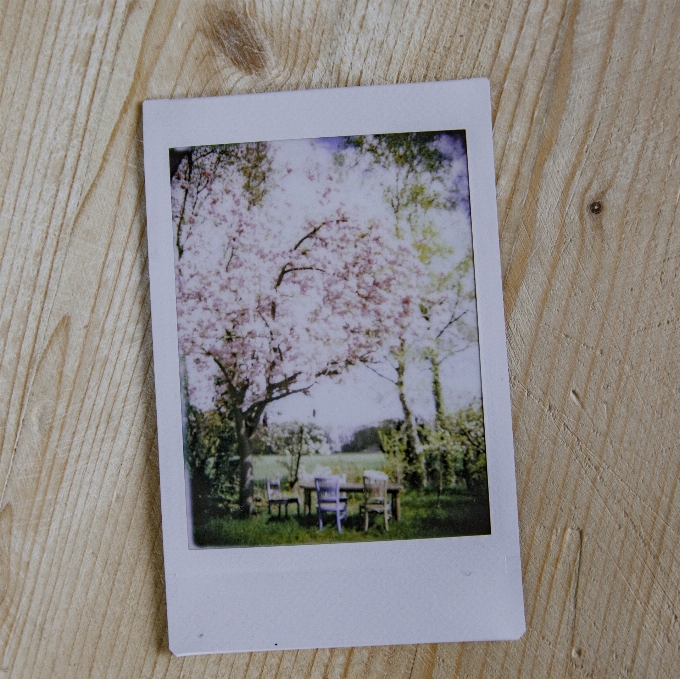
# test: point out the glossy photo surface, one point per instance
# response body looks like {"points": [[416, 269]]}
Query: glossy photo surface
{"points": [[327, 332]]}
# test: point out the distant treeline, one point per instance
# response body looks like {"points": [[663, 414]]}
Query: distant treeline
{"points": [[364, 438]]}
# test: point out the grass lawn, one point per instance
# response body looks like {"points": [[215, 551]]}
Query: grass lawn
{"points": [[351, 464], [457, 514]]}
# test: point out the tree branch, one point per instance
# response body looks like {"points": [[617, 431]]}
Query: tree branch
{"points": [[284, 271], [312, 233], [180, 221], [289, 392], [389, 379], [235, 395], [454, 318]]}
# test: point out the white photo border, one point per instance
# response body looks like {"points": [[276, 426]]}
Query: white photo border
{"points": [[351, 594]]}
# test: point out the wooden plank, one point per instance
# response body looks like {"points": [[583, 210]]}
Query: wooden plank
{"points": [[586, 105]]}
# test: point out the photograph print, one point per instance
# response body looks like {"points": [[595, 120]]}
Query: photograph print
{"points": [[328, 344]]}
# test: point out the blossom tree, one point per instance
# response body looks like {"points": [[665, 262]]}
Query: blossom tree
{"points": [[275, 293]]}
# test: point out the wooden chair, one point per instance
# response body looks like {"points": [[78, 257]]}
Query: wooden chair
{"points": [[375, 498], [329, 501], [274, 496]]}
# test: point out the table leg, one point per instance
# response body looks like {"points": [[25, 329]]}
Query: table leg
{"points": [[396, 505], [308, 502]]}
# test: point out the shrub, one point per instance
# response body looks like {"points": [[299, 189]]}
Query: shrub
{"points": [[211, 455], [465, 430], [454, 450]]}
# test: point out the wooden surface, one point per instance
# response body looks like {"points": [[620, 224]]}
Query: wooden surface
{"points": [[586, 103]]}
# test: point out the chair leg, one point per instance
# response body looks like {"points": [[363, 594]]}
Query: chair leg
{"points": [[365, 519], [387, 519], [337, 516], [320, 520]]}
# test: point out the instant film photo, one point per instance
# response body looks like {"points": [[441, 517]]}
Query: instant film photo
{"points": [[332, 391]]}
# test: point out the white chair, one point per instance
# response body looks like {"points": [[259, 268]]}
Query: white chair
{"points": [[329, 501], [375, 497], [274, 496]]}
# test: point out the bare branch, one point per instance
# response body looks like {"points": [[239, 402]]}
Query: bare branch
{"points": [[284, 271], [454, 318], [311, 234], [389, 379], [315, 230]]}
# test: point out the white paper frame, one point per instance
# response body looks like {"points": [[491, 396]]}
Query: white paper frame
{"points": [[334, 595]]}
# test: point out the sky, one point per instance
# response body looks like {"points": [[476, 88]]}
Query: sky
{"points": [[362, 398]]}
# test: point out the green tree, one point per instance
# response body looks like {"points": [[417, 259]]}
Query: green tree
{"points": [[467, 426], [419, 181], [451, 330], [394, 444]]}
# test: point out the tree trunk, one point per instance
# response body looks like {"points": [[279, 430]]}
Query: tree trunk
{"points": [[245, 453], [437, 391], [438, 418], [294, 480], [416, 460]]}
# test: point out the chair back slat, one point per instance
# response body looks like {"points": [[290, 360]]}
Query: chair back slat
{"points": [[375, 497], [327, 489], [375, 489], [274, 488], [328, 500]]}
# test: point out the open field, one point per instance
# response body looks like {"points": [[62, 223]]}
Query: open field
{"points": [[351, 464]]}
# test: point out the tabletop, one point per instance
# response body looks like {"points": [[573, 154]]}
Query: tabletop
{"points": [[349, 486], [586, 108]]}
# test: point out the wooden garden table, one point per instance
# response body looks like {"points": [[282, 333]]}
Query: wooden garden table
{"points": [[394, 489]]}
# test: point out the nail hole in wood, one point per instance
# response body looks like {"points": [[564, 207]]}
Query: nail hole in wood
{"points": [[596, 207]]}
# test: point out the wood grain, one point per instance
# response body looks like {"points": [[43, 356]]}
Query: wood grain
{"points": [[586, 102]]}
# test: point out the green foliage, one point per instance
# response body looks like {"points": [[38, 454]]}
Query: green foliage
{"points": [[211, 453], [418, 186], [440, 451], [362, 439], [455, 448], [467, 427], [410, 150], [255, 166], [454, 451], [403, 464], [394, 443]]}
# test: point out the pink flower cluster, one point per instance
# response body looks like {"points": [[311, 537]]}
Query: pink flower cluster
{"points": [[266, 309]]}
